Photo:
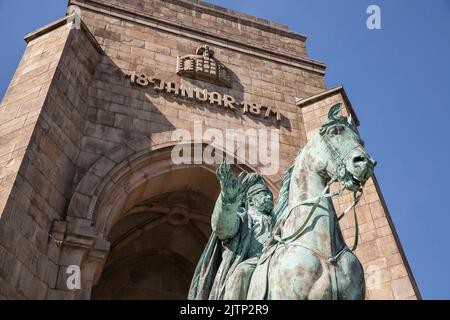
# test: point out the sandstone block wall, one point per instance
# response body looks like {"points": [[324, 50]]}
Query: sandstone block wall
{"points": [[71, 116], [119, 112], [43, 114]]}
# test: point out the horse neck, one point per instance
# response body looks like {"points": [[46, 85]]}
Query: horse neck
{"points": [[322, 233]]}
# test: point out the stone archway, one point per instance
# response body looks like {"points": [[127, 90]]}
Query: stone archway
{"points": [[115, 203], [155, 216], [156, 244]]}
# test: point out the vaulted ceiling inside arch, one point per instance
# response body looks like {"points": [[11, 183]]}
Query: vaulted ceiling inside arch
{"points": [[157, 243]]}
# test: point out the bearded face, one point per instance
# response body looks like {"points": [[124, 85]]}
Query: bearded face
{"points": [[262, 201]]}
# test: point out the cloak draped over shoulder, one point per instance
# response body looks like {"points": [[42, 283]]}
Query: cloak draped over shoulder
{"points": [[218, 261]]}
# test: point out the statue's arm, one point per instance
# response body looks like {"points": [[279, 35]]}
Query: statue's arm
{"points": [[225, 221]]}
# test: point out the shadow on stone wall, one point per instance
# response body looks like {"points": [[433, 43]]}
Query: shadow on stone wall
{"points": [[237, 91], [130, 100]]}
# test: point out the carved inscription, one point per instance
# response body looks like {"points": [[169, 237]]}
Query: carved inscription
{"points": [[204, 96]]}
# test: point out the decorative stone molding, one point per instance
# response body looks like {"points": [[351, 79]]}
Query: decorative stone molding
{"points": [[203, 66], [127, 166], [78, 233], [79, 244], [299, 102], [224, 41]]}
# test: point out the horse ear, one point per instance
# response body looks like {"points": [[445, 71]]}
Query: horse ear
{"points": [[334, 110], [350, 120]]}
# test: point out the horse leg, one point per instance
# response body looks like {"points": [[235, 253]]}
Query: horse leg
{"points": [[321, 289], [293, 273], [350, 278], [237, 285]]}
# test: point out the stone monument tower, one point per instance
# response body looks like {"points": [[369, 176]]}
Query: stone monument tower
{"points": [[92, 206]]}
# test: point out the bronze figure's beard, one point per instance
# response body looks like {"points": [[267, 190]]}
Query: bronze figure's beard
{"points": [[265, 207]]}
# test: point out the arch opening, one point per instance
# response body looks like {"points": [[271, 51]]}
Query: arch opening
{"points": [[158, 239]]}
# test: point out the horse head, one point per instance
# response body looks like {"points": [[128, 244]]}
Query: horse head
{"points": [[338, 152]]}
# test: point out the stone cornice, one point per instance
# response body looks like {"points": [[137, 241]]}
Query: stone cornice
{"points": [[239, 17], [325, 94], [179, 28], [61, 22]]}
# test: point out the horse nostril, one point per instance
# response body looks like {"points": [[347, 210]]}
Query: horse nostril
{"points": [[374, 162]]}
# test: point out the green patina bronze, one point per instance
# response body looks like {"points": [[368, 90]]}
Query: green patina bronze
{"points": [[295, 251], [241, 224]]}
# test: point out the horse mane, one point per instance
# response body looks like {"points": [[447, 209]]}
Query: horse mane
{"points": [[283, 195]]}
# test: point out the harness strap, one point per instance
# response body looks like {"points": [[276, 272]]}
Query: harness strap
{"points": [[356, 199], [300, 230], [339, 162], [324, 194], [343, 176], [335, 259], [334, 284]]}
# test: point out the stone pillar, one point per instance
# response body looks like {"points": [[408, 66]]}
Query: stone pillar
{"points": [[78, 245], [41, 127], [387, 272]]}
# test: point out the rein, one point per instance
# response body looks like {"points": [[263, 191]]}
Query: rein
{"points": [[325, 194], [341, 176]]}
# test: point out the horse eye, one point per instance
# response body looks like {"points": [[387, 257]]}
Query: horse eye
{"points": [[336, 130]]}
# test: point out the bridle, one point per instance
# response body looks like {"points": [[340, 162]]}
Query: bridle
{"points": [[345, 178]]}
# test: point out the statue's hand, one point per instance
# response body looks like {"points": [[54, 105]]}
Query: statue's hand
{"points": [[230, 184]]}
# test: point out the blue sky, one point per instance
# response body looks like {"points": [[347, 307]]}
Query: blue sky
{"points": [[398, 79]]}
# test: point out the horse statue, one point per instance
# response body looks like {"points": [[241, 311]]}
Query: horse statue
{"points": [[306, 256]]}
